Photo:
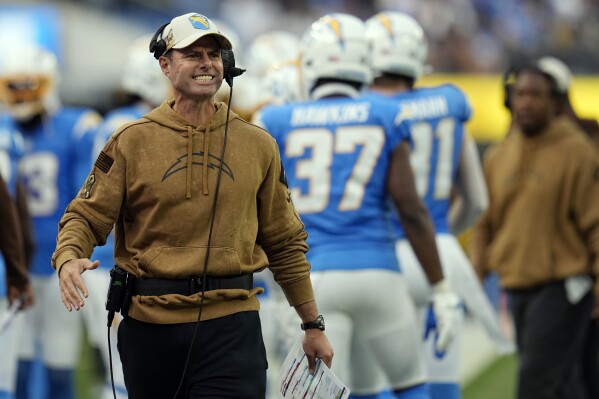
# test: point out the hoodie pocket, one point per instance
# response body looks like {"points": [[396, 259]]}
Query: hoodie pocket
{"points": [[180, 262]]}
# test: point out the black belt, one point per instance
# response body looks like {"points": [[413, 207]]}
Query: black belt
{"points": [[189, 286]]}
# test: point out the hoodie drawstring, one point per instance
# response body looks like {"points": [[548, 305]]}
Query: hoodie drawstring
{"points": [[189, 161], [206, 159]]}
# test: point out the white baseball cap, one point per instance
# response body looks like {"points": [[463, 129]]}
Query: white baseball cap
{"points": [[558, 71], [184, 30]]}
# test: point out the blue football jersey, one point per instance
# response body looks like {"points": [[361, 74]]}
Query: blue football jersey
{"points": [[49, 169], [336, 153], [11, 150], [435, 118], [93, 142]]}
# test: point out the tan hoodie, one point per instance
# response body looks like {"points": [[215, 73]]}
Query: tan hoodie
{"points": [[542, 224], [155, 182]]}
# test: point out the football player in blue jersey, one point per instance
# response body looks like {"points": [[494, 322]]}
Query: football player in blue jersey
{"points": [[144, 87], [344, 156], [15, 286], [448, 178], [49, 171]]}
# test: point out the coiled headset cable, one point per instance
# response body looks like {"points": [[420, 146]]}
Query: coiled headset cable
{"points": [[229, 73], [205, 268]]}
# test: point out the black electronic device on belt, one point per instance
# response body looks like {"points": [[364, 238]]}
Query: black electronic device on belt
{"points": [[116, 292]]}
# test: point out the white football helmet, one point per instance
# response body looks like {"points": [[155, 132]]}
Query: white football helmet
{"points": [[142, 74], [28, 81], [334, 47], [270, 48], [398, 45], [281, 85]]}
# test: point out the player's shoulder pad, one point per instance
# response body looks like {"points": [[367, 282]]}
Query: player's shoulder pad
{"points": [[379, 102], [270, 111], [458, 98], [81, 119], [251, 128], [449, 89], [78, 112], [272, 117]]}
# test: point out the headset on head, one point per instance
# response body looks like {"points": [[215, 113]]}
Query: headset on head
{"points": [[511, 74], [508, 80], [158, 48]]}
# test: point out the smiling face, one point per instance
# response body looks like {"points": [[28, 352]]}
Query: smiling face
{"points": [[196, 71]]}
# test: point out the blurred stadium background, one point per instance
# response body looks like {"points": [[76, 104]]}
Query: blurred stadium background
{"points": [[471, 43]]}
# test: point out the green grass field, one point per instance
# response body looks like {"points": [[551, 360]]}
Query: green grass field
{"points": [[495, 382], [88, 378], [498, 381]]}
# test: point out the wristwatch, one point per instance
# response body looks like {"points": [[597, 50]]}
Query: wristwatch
{"points": [[318, 323]]}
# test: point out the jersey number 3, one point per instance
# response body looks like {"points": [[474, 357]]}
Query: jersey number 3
{"points": [[40, 171], [324, 145]]}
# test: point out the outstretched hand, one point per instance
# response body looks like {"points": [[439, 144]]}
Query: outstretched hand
{"points": [[71, 283]]}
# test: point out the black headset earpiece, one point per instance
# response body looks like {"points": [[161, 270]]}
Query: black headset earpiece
{"points": [[230, 71], [508, 80], [158, 46]]}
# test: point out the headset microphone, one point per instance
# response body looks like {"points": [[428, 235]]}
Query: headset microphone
{"points": [[230, 71], [234, 72]]}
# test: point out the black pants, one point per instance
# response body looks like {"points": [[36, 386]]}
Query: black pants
{"points": [[228, 359], [550, 333], [590, 367]]}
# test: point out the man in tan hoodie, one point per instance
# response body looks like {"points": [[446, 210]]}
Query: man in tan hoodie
{"points": [[541, 233], [199, 202], [563, 77]]}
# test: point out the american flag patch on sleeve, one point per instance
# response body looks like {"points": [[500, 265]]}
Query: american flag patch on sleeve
{"points": [[104, 162]]}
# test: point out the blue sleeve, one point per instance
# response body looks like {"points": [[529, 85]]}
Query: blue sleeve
{"points": [[84, 157], [458, 98], [401, 126], [403, 134], [467, 112], [84, 129]]}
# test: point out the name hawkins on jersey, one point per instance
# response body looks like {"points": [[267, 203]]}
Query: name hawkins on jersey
{"points": [[337, 114]]}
